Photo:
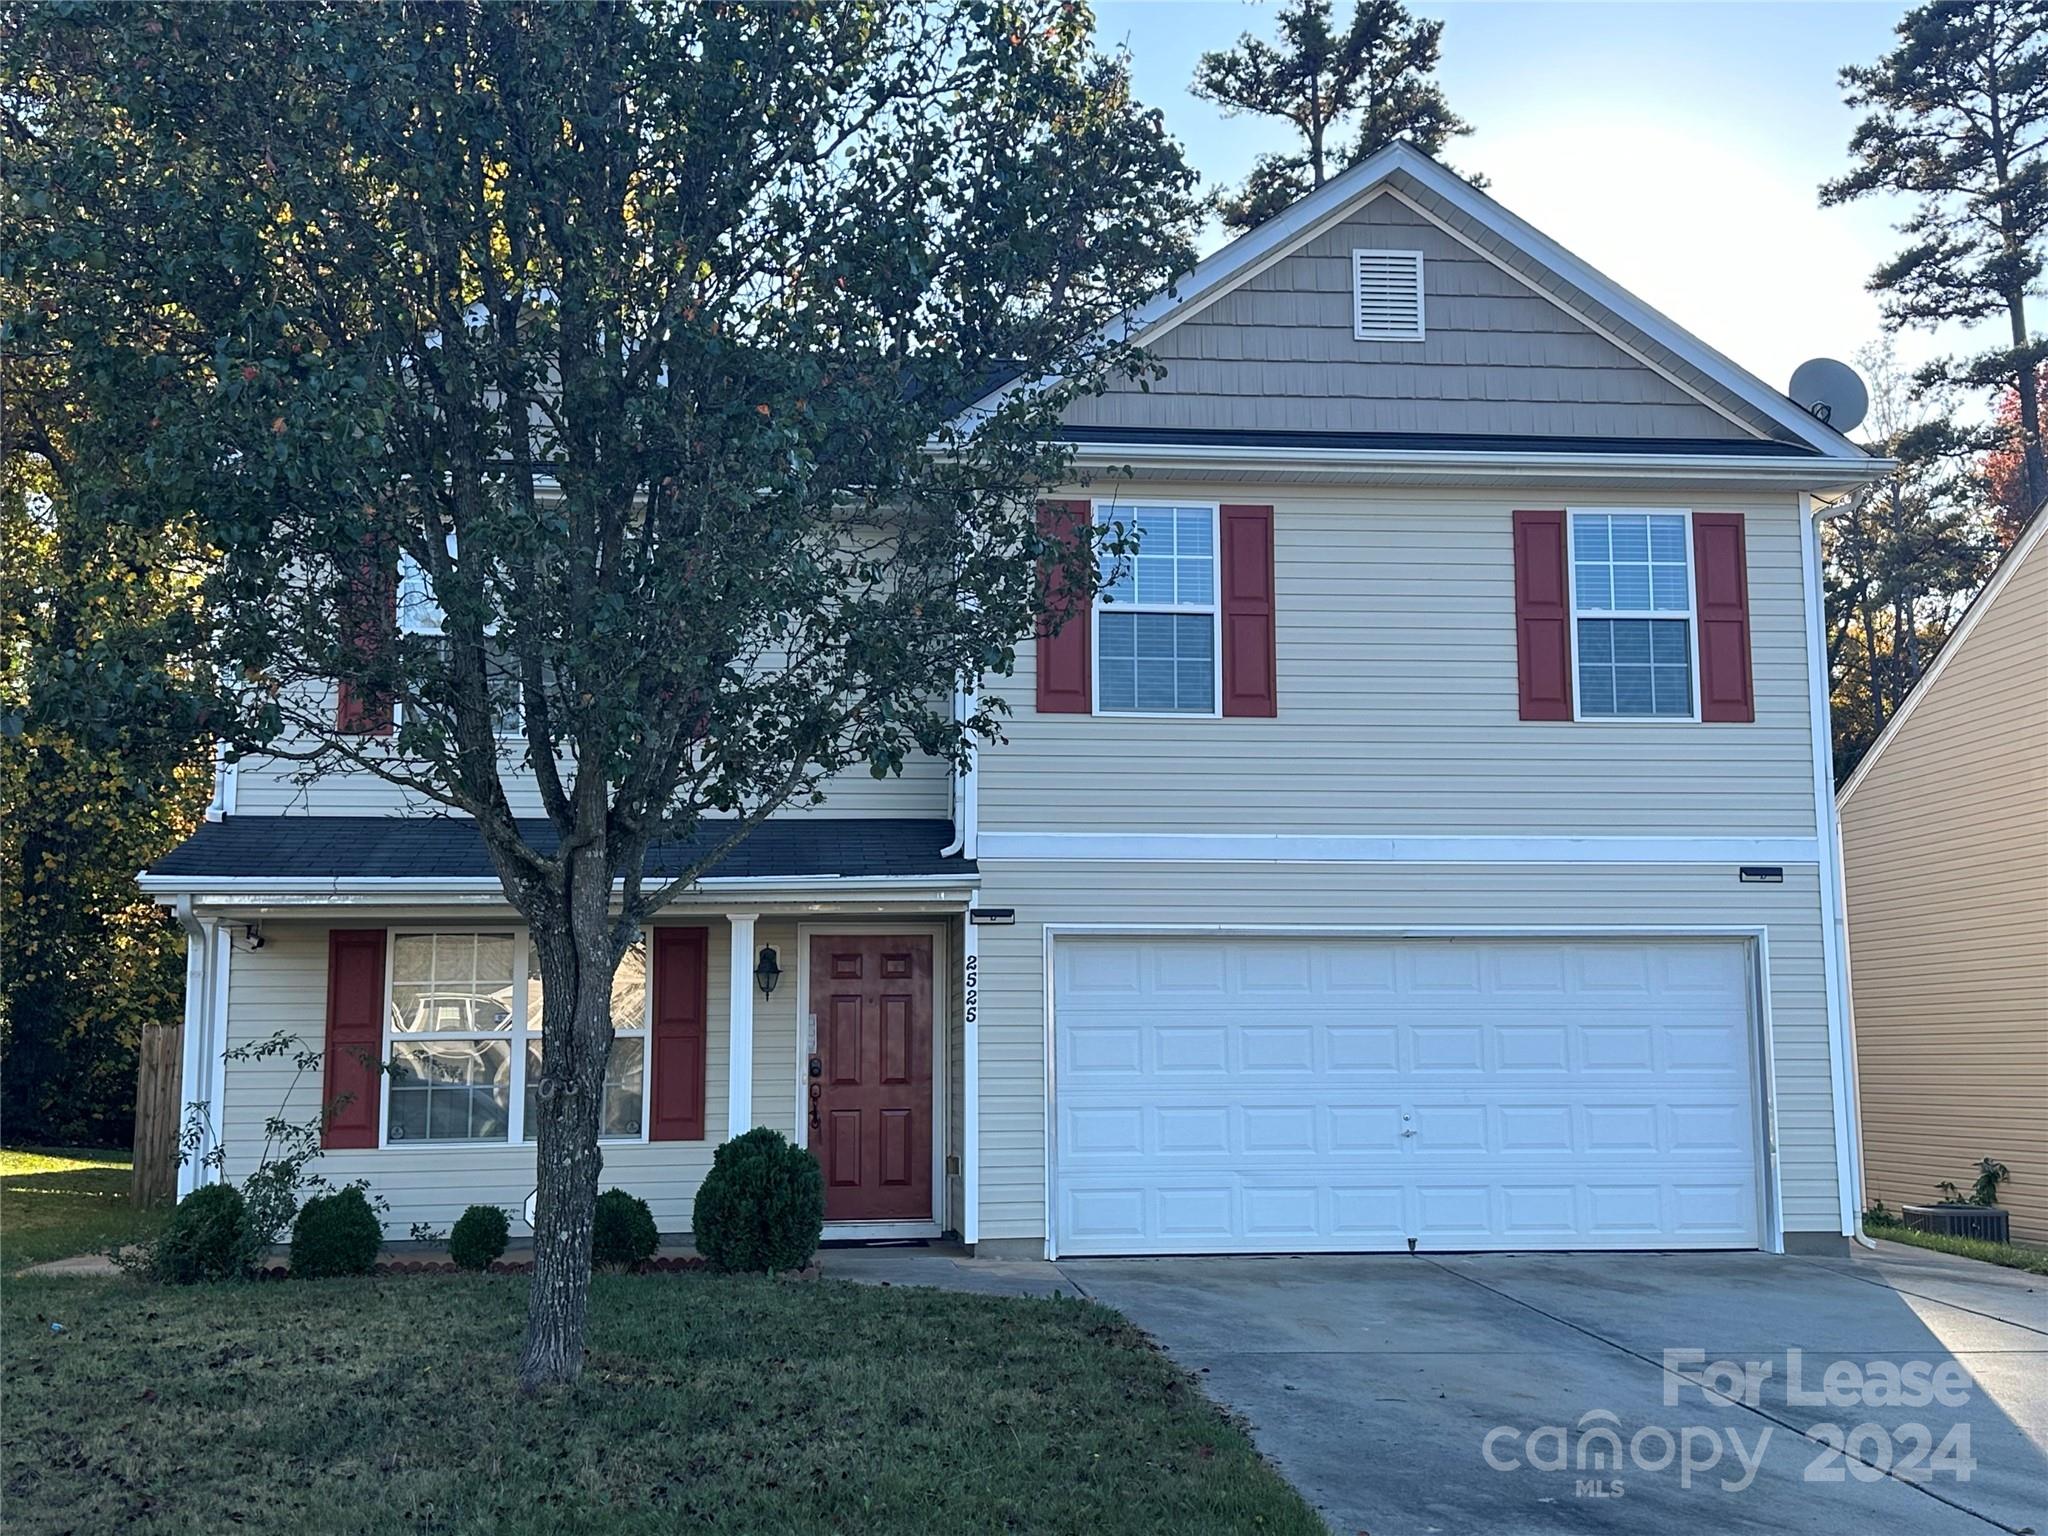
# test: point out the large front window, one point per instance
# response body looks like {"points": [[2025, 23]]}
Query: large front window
{"points": [[1156, 616], [463, 1039], [1632, 615]]}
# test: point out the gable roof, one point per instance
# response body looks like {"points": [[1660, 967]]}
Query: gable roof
{"points": [[1470, 216], [2023, 546]]}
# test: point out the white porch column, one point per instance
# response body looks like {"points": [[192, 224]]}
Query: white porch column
{"points": [[739, 1069]]}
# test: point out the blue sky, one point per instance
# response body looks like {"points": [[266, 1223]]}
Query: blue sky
{"points": [[1677, 147]]}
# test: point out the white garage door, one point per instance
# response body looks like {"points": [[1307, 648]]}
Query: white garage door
{"points": [[1291, 1095]]}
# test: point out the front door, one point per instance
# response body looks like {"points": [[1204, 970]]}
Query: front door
{"points": [[870, 1087]]}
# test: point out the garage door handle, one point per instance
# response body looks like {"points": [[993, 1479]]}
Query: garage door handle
{"points": [[1408, 1131]]}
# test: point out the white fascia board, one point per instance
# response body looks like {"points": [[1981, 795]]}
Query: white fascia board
{"points": [[1699, 469], [1979, 606], [219, 891]]}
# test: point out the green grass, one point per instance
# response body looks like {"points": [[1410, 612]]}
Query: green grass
{"points": [[725, 1404], [56, 1204], [2011, 1255]]}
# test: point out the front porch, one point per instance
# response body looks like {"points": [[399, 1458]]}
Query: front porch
{"points": [[831, 1007]]}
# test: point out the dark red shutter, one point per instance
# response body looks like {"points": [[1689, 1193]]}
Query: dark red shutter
{"points": [[1543, 617], [1721, 581], [373, 593], [355, 1036], [1250, 686], [682, 1000], [1064, 684]]}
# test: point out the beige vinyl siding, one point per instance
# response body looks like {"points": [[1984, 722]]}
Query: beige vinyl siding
{"points": [[1398, 705], [265, 787], [1945, 856], [1013, 969], [1278, 353], [283, 986]]}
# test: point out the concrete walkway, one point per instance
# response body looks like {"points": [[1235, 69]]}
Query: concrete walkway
{"points": [[1379, 1385]]}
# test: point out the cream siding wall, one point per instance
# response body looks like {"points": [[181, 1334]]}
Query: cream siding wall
{"points": [[1945, 844], [1625, 898], [265, 787], [283, 986], [1398, 706], [1278, 353]]}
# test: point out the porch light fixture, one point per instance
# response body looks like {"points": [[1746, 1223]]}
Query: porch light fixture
{"points": [[767, 972]]}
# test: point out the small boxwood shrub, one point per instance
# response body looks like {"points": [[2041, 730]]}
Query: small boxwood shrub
{"points": [[762, 1206], [479, 1237], [206, 1237], [624, 1231], [336, 1234]]}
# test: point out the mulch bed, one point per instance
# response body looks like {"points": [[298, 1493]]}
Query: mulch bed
{"points": [[500, 1267]]}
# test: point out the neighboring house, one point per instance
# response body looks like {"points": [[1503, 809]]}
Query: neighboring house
{"points": [[1945, 853], [1429, 845]]}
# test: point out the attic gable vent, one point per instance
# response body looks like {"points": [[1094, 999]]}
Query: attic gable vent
{"points": [[1386, 295]]}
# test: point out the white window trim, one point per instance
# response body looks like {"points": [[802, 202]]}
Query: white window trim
{"points": [[516, 1035], [1359, 332], [1691, 614], [1107, 511]]}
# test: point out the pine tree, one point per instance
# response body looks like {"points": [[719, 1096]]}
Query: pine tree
{"points": [[1958, 120], [1348, 93]]}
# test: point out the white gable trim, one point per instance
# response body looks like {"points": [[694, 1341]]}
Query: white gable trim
{"points": [[1282, 235], [2029, 537]]}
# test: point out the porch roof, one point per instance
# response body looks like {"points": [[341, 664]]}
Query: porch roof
{"points": [[402, 848]]}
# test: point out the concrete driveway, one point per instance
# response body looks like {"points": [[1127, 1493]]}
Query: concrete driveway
{"points": [[1467, 1394]]}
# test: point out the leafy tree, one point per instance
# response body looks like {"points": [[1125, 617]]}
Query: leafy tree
{"points": [[2003, 467], [1348, 92], [1903, 559], [1958, 121], [628, 341]]}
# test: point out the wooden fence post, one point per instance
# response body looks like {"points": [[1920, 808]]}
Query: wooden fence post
{"points": [[158, 1068]]}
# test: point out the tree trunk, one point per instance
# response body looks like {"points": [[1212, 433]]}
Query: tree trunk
{"points": [[576, 963]]}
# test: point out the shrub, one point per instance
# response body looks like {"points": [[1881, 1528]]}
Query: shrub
{"points": [[479, 1237], [762, 1206], [624, 1230], [336, 1234], [206, 1237]]}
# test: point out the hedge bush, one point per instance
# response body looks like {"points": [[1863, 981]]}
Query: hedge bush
{"points": [[206, 1237], [479, 1236], [762, 1206], [624, 1231], [336, 1234]]}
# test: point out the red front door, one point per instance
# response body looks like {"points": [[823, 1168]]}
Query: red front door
{"points": [[871, 1077]]}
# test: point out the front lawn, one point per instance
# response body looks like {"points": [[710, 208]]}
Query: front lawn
{"points": [[56, 1204], [2033, 1261], [728, 1404]]}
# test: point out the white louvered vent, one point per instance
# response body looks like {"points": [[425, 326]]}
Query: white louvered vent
{"points": [[1386, 295]]}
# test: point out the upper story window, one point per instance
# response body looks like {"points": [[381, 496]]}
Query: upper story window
{"points": [[462, 1036], [1633, 621], [1156, 622], [1386, 295], [419, 614]]}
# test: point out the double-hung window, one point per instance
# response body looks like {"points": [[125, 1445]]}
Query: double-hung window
{"points": [[1156, 617], [463, 1041], [419, 614], [1633, 622]]}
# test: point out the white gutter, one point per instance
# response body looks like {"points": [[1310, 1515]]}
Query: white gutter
{"points": [[1789, 473], [1834, 937]]}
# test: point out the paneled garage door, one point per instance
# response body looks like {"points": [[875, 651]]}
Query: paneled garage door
{"points": [[1287, 1095]]}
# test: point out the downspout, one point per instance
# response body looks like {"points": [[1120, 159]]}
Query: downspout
{"points": [[195, 1055], [966, 806], [1833, 899]]}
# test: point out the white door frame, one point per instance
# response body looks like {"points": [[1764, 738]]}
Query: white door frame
{"points": [[1763, 1100], [935, 929]]}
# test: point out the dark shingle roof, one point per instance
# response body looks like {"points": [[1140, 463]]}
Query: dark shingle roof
{"points": [[436, 847], [1438, 442]]}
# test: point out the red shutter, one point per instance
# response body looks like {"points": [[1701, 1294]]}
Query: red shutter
{"points": [[1543, 617], [355, 1036], [1250, 686], [374, 601], [1721, 582], [681, 1002], [1064, 681]]}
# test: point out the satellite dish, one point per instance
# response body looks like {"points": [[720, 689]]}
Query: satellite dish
{"points": [[1831, 392]]}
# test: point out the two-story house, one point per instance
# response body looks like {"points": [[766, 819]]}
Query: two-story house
{"points": [[1427, 843]]}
